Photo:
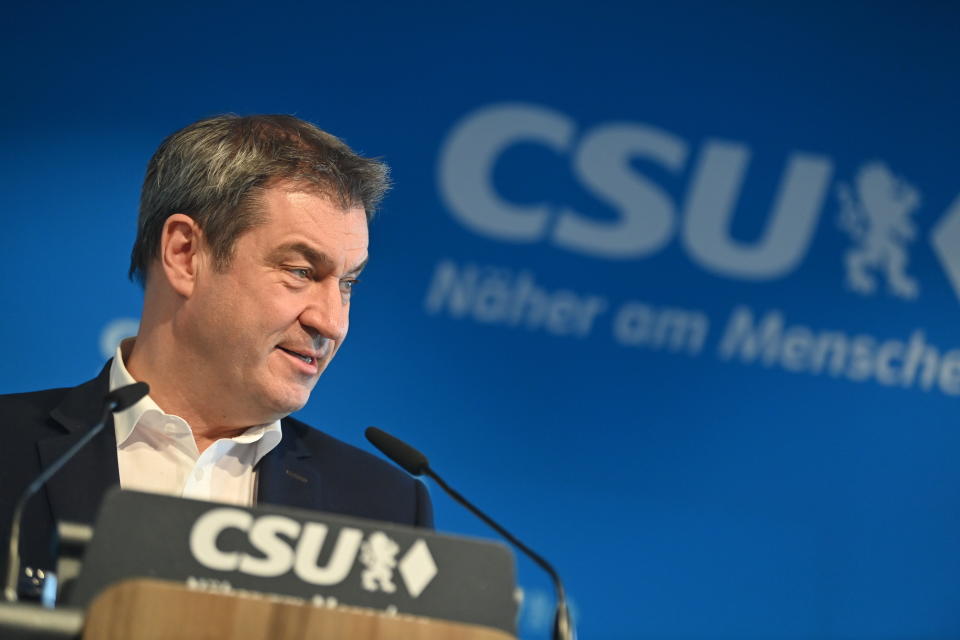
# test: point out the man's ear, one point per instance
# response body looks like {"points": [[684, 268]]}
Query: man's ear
{"points": [[181, 252]]}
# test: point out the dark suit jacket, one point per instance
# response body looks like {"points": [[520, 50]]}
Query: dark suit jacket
{"points": [[307, 469]]}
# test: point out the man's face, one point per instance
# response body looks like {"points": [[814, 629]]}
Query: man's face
{"points": [[268, 325]]}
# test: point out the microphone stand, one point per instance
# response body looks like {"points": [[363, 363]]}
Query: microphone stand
{"points": [[116, 400], [416, 463], [562, 625]]}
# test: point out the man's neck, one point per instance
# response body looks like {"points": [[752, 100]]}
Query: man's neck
{"points": [[148, 363]]}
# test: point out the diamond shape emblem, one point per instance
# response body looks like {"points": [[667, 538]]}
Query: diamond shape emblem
{"points": [[417, 568]]}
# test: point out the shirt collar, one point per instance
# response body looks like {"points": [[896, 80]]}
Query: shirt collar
{"points": [[125, 421], [266, 436]]}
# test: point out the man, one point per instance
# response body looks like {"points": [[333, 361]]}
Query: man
{"points": [[251, 236]]}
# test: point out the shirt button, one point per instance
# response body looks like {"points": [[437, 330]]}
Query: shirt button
{"points": [[170, 428]]}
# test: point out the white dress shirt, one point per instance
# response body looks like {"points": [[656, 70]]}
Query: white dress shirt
{"points": [[156, 451]]}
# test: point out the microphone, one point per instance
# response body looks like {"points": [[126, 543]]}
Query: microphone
{"points": [[116, 400], [416, 463]]}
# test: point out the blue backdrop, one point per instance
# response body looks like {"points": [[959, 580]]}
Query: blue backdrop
{"points": [[671, 289]]}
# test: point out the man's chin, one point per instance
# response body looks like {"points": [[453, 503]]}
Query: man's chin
{"points": [[279, 398], [289, 404]]}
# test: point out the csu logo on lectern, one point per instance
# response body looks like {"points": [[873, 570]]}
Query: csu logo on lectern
{"points": [[649, 218], [285, 545]]}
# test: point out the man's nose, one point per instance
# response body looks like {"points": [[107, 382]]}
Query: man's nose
{"points": [[326, 315]]}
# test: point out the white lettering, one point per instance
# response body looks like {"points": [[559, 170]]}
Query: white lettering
{"points": [[715, 188], [492, 295], [264, 536], [858, 358], [468, 158], [676, 330], [647, 214], [743, 339], [340, 562], [203, 537]]}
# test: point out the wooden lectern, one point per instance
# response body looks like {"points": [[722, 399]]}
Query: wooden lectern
{"points": [[146, 609]]}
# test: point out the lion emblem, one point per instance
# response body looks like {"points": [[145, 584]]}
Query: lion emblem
{"points": [[379, 555], [876, 212]]}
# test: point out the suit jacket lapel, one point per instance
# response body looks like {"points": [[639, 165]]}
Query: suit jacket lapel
{"points": [[285, 475], [76, 490]]}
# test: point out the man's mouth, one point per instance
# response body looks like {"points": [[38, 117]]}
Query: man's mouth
{"points": [[297, 354]]}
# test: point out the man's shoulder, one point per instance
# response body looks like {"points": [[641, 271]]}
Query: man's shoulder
{"points": [[333, 450], [30, 407], [25, 421], [358, 483]]}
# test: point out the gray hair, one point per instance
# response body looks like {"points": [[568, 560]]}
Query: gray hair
{"points": [[217, 169]]}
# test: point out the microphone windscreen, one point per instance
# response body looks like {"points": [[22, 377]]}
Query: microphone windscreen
{"points": [[127, 396], [398, 451]]}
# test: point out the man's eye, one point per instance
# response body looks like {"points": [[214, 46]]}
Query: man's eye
{"points": [[299, 272], [347, 285]]}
